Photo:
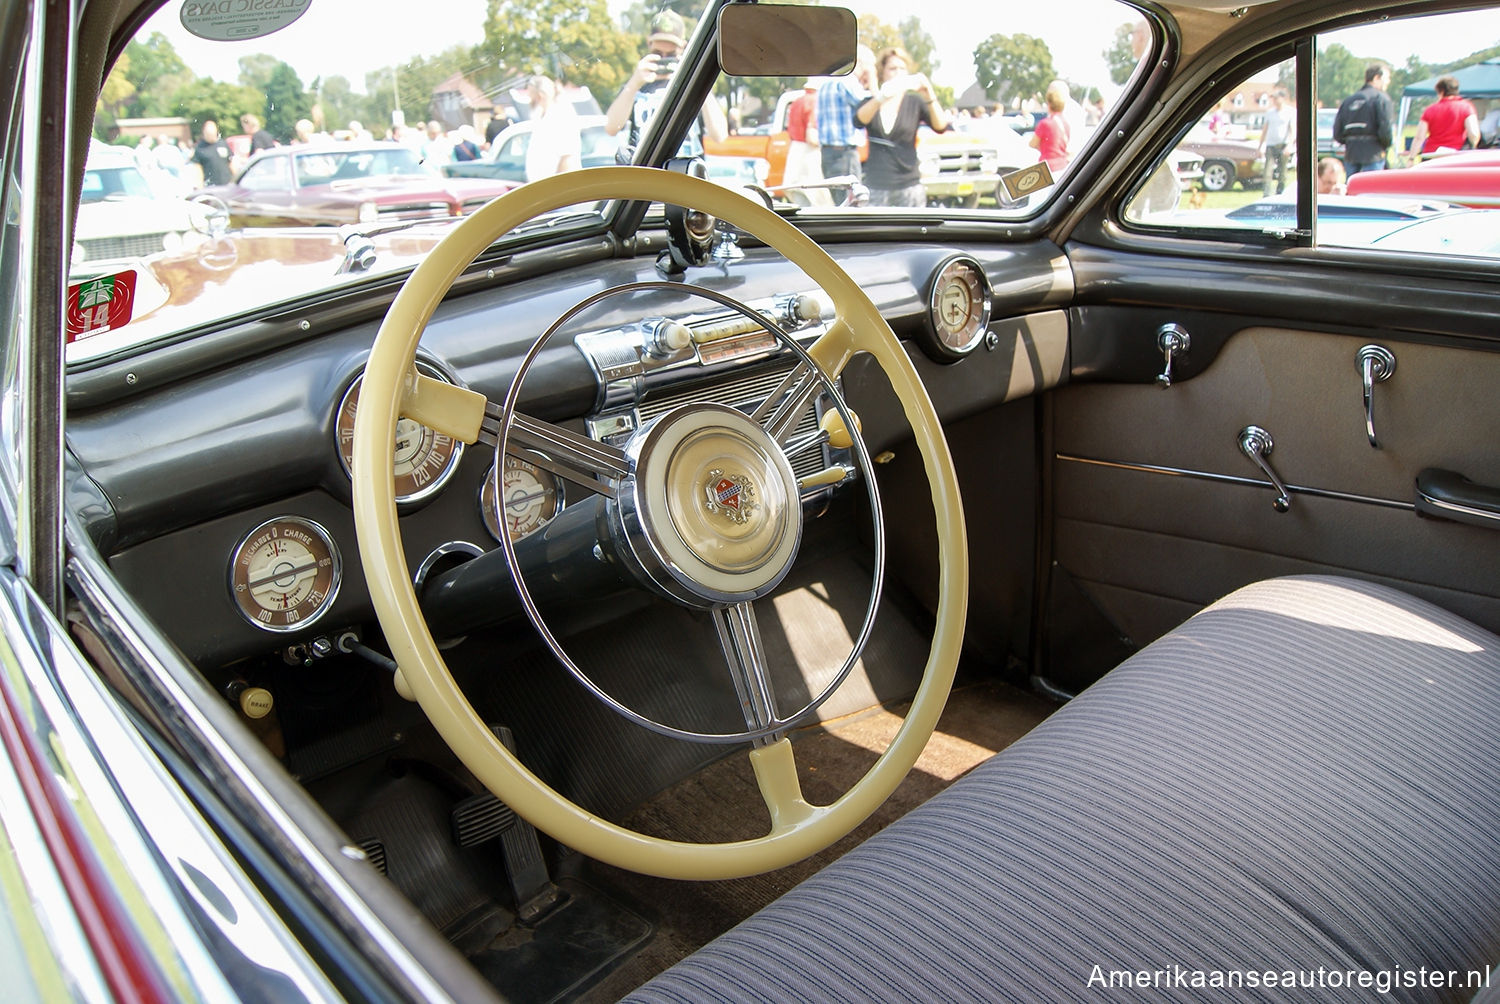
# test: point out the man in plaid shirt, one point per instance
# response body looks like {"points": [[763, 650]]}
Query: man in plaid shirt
{"points": [[838, 134]]}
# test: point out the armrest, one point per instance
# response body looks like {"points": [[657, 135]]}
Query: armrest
{"points": [[1449, 495]]}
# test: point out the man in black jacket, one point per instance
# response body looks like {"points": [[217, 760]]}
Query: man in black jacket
{"points": [[1363, 123]]}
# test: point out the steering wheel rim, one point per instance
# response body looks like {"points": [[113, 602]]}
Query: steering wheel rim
{"points": [[391, 387]]}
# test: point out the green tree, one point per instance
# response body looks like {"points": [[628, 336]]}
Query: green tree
{"points": [[286, 102], [157, 72], [1340, 74], [549, 36], [1120, 56], [1013, 66], [919, 45], [340, 103], [117, 93], [876, 34], [256, 70], [205, 99]]}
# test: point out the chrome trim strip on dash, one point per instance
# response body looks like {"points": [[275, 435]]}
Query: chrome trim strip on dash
{"points": [[1231, 479]]}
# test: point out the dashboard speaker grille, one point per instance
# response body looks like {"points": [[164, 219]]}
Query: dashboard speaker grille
{"points": [[745, 393]]}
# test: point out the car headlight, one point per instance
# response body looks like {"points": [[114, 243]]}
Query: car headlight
{"points": [[171, 242], [368, 213], [928, 166], [989, 162]]}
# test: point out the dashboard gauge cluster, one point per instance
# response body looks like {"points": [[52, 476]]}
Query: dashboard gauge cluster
{"points": [[425, 458], [285, 574], [523, 499], [958, 309]]}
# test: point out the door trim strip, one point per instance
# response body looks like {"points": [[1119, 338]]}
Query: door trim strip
{"points": [[1235, 480]]}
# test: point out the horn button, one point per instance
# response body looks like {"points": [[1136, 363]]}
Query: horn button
{"points": [[712, 511]]}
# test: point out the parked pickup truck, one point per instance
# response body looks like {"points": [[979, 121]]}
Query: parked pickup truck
{"points": [[958, 168]]}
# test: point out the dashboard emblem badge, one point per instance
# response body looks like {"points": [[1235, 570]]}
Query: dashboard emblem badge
{"points": [[730, 494]]}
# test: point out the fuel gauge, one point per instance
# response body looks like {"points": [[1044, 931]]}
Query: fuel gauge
{"points": [[526, 498]]}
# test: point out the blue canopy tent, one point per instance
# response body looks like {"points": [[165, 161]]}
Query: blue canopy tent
{"points": [[1481, 80]]}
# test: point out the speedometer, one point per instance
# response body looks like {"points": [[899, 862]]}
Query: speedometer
{"points": [[425, 458], [958, 309]]}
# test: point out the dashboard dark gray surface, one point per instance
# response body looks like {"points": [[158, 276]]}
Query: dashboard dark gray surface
{"points": [[188, 468]]}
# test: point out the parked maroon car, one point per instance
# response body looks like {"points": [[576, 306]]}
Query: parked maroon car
{"points": [[1467, 179], [346, 183]]}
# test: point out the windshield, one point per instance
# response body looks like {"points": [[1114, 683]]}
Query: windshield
{"points": [[318, 121]]}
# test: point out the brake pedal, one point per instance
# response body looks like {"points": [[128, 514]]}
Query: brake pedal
{"points": [[481, 818]]}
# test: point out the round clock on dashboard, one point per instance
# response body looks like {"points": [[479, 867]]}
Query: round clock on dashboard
{"points": [[958, 309]]}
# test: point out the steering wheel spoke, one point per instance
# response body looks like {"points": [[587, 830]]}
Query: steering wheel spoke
{"points": [[780, 412], [739, 637], [834, 347], [443, 407], [587, 462], [776, 773]]}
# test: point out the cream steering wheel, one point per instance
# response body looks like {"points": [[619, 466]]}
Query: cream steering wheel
{"points": [[392, 388]]}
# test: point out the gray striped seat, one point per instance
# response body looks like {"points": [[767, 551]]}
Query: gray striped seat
{"points": [[1305, 776]]}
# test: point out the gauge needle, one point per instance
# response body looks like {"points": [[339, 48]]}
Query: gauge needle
{"points": [[282, 574], [517, 501]]}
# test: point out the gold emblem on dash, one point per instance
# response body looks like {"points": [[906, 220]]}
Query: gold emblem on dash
{"points": [[731, 495], [1019, 184]]}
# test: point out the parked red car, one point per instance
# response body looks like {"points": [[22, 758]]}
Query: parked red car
{"points": [[1468, 179], [347, 183]]}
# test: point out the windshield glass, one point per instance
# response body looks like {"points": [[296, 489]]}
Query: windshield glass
{"points": [[316, 121]]}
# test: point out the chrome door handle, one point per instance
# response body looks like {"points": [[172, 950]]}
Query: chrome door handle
{"points": [[1171, 339], [1256, 444], [1375, 363]]}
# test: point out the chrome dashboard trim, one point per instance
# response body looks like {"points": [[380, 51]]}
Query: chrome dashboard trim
{"points": [[1234, 480]]}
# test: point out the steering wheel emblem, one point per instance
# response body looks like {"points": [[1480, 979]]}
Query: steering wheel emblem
{"points": [[730, 494]]}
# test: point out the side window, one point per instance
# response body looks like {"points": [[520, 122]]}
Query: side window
{"points": [[1413, 112], [1235, 168], [1406, 124], [267, 175], [513, 153]]}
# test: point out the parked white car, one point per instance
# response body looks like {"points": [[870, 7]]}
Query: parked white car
{"points": [[121, 215]]}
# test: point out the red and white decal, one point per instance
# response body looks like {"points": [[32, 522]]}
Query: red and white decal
{"points": [[100, 304]]}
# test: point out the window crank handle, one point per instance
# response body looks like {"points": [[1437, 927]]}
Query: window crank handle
{"points": [[1256, 444], [1171, 339]]}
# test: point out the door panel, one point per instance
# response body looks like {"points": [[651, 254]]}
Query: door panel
{"points": [[1148, 546]]}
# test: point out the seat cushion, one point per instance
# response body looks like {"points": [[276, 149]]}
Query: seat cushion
{"points": [[1305, 776]]}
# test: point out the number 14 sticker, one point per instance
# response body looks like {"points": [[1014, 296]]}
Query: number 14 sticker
{"points": [[100, 304]]}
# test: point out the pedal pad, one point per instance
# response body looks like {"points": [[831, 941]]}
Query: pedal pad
{"points": [[374, 853], [480, 818]]}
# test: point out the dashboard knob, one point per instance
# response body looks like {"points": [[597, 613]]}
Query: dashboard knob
{"points": [[668, 338], [800, 309]]}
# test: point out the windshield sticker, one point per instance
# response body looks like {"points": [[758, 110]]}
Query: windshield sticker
{"points": [[1019, 184], [99, 305], [231, 20]]}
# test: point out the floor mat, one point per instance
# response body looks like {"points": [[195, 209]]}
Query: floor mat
{"points": [[723, 803]]}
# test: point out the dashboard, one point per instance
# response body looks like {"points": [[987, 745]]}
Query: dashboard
{"points": [[222, 496]]}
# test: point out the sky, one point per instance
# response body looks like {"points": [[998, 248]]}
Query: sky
{"points": [[325, 41]]}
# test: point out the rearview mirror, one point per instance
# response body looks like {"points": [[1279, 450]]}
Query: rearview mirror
{"points": [[781, 40]]}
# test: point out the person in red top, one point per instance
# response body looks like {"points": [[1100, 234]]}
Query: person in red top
{"points": [[803, 158], [1051, 135], [1448, 122]]}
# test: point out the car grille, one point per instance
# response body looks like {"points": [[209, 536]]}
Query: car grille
{"points": [[745, 393], [472, 204], [132, 246], [961, 161], [414, 211]]}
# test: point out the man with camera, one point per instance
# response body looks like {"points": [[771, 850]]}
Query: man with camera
{"points": [[645, 92]]}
